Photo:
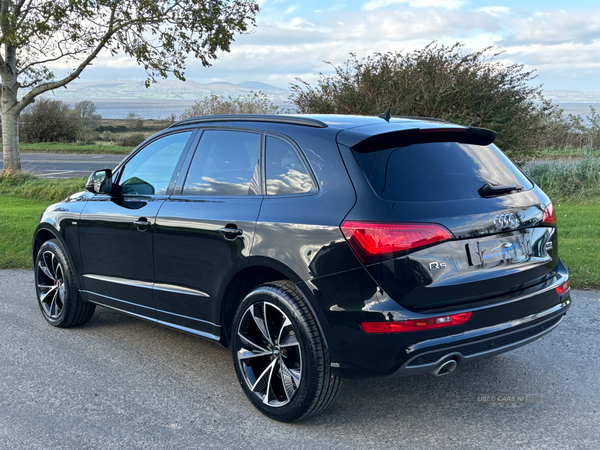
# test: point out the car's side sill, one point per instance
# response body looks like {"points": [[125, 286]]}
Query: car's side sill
{"points": [[192, 331]]}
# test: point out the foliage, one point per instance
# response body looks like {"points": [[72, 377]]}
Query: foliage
{"points": [[573, 180], [438, 81], [49, 120], [133, 121], [75, 148], [87, 112], [570, 131], [159, 35], [255, 103], [130, 140]]}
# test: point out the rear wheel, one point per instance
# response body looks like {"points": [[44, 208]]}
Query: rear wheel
{"points": [[280, 356], [56, 290]]}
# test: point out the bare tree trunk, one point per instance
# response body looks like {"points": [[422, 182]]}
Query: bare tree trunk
{"points": [[10, 138], [10, 115]]}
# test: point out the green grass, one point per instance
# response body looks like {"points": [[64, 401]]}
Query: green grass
{"points": [[23, 197], [58, 147], [561, 153], [27, 186], [579, 242], [17, 223]]}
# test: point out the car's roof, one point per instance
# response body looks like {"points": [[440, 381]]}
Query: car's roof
{"points": [[335, 121]]}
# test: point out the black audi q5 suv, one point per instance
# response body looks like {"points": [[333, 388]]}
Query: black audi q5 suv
{"points": [[316, 247]]}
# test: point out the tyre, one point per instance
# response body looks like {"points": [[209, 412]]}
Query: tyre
{"points": [[56, 290], [279, 355]]}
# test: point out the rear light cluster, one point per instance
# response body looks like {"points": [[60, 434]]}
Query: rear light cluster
{"points": [[378, 241], [416, 325], [549, 215], [563, 288]]}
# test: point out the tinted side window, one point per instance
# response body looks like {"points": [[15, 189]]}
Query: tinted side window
{"points": [[285, 171], [438, 171], [225, 163], [150, 170]]}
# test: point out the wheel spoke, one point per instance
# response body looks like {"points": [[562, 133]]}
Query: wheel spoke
{"points": [[246, 342], [45, 269], [289, 379], [263, 380], [287, 337], [260, 323]]}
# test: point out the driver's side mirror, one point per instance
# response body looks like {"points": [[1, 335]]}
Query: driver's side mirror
{"points": [[100, 182]]}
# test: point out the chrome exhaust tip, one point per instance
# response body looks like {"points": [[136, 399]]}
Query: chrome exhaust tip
{"points": [[444, 368]]}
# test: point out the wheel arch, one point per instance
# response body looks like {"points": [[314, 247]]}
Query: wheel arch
{"points": [[260, 271]]}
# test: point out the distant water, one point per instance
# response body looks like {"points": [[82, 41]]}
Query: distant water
{"points": [[147, 109], [162, 109]]}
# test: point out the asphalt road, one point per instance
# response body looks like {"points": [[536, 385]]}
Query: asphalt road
{"points": [[54, 165], [119, 382]]}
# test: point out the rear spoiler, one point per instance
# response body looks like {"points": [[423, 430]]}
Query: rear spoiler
{"points": [[403, 138]]}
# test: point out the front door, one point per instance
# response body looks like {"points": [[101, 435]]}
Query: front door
{"points": [[117, 230]]}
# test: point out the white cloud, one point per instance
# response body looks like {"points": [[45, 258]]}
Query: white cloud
{"points": [[495, 11], [446, 4]]}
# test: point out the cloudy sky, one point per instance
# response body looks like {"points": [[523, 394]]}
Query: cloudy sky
{"points": [[560, 39]]}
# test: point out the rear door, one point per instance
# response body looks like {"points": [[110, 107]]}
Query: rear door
{"points": [[204, 231]]}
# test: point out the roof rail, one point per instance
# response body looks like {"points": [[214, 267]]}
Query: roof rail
{"points": [[430, 119], [289, 120]]}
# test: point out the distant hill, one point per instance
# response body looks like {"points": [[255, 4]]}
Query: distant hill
{"points": [[164, 90]]}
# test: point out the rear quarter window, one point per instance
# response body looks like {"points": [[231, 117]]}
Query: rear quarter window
{"points": [[438, 171]]}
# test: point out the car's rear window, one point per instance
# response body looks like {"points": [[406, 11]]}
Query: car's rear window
{"points": [[438, 171]]}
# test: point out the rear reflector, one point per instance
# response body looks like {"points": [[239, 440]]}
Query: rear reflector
{"points": [[416, 325], [378, 241], [563, 288], [549, 215]]}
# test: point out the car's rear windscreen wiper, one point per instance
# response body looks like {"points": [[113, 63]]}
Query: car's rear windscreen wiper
{"points": [[487, 190]]}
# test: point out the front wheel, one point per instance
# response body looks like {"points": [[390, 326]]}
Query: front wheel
{"points": [[279, 355], [56, 290]]}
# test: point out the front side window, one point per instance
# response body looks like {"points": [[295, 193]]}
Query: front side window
{"points": [[225, 163], [285, 171], [150, 170]]}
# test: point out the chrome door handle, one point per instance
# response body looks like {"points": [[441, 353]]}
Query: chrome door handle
{"points": [[142, 223], [232, 231]]}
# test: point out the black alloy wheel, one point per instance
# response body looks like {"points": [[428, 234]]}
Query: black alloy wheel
{"points": [[56, 290], [279, 354]]}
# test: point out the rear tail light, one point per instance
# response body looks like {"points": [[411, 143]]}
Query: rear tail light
{"points": [[416, 325], [563, 288], [378, 241], [549, 215]]}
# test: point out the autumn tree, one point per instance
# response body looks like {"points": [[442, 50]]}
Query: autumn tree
{"points": [[445, 82], [159, 34]]}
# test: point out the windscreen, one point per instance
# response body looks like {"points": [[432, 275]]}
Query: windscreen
{"points": [[438, 171]]}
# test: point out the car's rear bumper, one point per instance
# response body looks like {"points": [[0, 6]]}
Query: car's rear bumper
{"points": [[345, 300], [479, 344]]}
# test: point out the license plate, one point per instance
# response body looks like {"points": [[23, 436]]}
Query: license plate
{"points": [[511, 248]]}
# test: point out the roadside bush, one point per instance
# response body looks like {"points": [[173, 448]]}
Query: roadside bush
{"points": [[107, 136], [255, 103], [49, 120], [130, 140], [438, 81], [567, 179]]}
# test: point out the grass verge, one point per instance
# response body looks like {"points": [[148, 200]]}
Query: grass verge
{"points": [[59, 147], [26, 186], [579, 242], [17, 223]]}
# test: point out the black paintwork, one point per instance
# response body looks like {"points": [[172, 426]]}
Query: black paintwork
{"points": [[178, 270]]}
